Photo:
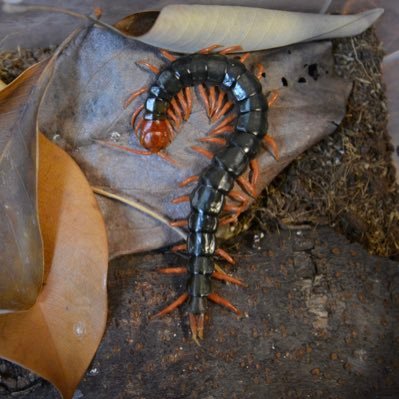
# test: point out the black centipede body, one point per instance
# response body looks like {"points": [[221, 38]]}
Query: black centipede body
{"points": [[218, 178]]}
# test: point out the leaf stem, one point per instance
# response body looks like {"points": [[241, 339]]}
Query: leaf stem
{"points": [[142, 208]]}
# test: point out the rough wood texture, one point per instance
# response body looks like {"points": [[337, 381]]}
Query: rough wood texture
{"points": [[321, 323]]}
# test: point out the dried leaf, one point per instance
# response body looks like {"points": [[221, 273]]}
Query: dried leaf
{"points": [[39, 29], [21, 256], [180, 27], [59, 335], [103, 65]]}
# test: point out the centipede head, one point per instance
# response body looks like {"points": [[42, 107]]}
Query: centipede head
{"points": [[155, 135]]}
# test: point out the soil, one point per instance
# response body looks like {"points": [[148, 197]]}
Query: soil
{"points": [[346, 182]]}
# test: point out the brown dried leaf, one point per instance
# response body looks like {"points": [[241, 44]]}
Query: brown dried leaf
{"points": [[180, 27], [98, 72], [21, 258], [59, 335]]}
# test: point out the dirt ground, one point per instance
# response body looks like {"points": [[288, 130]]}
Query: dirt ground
{"points": [[346, 182]]}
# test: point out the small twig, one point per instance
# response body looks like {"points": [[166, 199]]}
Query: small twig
{"points": [[142, 208], [358, 60]]}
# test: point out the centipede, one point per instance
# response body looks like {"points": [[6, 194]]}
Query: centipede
{"points": [[240, 148]]}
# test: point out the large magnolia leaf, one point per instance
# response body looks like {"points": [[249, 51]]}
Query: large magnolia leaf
{"points": [[95, 75], [21, 261], [59, 335], [188, 28], [39, 29]]}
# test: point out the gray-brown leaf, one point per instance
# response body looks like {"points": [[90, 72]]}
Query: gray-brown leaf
{"points": [[21, 258], [95, 75]]}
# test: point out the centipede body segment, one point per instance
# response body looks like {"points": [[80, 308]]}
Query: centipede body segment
{"points": [[217, 180]]}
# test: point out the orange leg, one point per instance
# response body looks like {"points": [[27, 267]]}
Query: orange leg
{"points": [[207, 50], [167, 55], [254, 165], [237, 196], [173, 270], [134, 95], [204, 96], [177, 110], [225, 277], [149, 66], [179, 200], [189, 180], [218, 106], [223, 254], [224, 302], [273, 97], [224, 110], [123, 148], [134, 117], [216, 275], [221, 130], [271, 146], [260, 71], [172, 116], [179, 247], [179, 223], [231, 49], [247, 186], [166, 157], [203, 151], [214, 140], [183, 104], [220, 252], [228, 220], [189, 97], [212, 100], [179, 301], [244, 57], [170, 129], [227, 120]]}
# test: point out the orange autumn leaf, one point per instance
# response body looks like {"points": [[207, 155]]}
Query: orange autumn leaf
{"points": [[59, 335]]}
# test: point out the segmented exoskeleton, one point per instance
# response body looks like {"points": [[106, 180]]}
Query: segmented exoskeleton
{"points": [[216, 181]]}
